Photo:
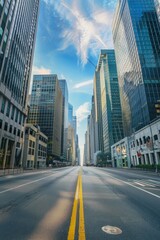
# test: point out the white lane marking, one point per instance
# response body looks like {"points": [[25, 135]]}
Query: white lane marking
{"points": [[143, 190], [155, 182], [140, 184], [144, 184], [25, 184]]}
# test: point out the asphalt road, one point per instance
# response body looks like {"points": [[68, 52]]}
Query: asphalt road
{"points": [[47, 205]]}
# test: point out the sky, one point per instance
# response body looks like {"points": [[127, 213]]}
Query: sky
{"points": [[70, 35]]}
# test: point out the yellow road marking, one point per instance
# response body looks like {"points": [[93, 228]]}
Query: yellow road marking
{"points": [[78, 199], [72, 227], [82, 235]]}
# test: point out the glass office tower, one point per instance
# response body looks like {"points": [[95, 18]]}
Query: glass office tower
{"points": [[98, 111], [46, 110], [18, 24], [136, 36], [110, 101], [64, 89]]}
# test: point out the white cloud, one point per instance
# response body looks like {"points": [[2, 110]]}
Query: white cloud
{"points": [[82, 112], [87, 32], [83, 84], [40, 70]]}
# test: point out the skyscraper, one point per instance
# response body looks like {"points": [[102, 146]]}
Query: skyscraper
{"points": [[64, 89], [136, 36], [70, 114], [110, 97], [18, 23], [98, 112], [92, 132], [46, 110]]}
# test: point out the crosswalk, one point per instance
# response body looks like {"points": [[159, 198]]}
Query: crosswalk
{"points": [[146, 183]]}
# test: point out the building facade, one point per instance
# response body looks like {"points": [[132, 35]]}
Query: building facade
{"points": [[46, 110], [18, 24], [64, 89], [110, 101], [70, 114], [145, 145], [92, 132], [98, 111], [136, 37], [71, 153], [120, 151], [141, 148], [35, 147]]}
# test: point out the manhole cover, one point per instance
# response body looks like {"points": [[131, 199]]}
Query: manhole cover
{"points": [[112, 230]]}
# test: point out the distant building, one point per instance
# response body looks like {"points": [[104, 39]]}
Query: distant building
{"points": [[85, 161], [46, 110], [88, 144], [74, 123], [35, 147], [71, 154], [18, 24], [110, 98], [136, 36], [98, 112], [70, 114], [92, 132], [78, 157], [64, 89]]}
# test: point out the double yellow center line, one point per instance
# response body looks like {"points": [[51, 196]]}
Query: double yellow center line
{"points": [[78, 201]]}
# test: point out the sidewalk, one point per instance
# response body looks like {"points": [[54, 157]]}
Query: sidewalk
{"points": [[13, 171]]}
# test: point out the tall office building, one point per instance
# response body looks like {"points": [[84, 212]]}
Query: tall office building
{"points": [[71, 154], [70, 114], [46, 110], [88, 144], [92, 132], [18, 23], [110, 97], [64, 89], [98, 111], [136, 36]]}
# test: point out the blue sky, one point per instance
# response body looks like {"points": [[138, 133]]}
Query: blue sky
{"points": [[69, 33]]}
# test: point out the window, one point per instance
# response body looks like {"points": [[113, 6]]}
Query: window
{"points": [[3, 105], [1, 122], [17, 113], [21, 134], [26, 131], [144, 139], [15, 131], [8, 109], [12, 115], [20, 118], [6, 126], [30, 143], [137, 142], [10, 129], [18, 133], [155, 137]]}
